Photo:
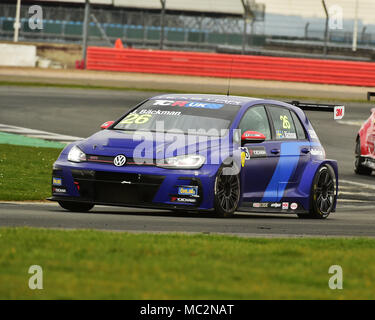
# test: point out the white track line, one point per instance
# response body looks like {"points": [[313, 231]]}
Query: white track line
{"points": [[369, 186], [32, 133], [351, 200], [356, 123], [365, 194]]}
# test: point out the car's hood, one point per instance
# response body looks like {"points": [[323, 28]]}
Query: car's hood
{"points": [[155, 145]]}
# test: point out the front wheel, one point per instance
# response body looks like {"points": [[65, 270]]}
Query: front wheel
{"points": [[227, 192], [76, 206], [322, 194]]}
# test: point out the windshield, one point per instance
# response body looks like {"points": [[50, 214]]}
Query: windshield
{"points": [[185, 117]]}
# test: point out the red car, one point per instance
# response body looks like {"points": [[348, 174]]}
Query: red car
{"points": [[365, 147]]}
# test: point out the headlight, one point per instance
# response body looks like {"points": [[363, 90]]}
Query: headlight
{"points": [[76, 155], [193, 161]]}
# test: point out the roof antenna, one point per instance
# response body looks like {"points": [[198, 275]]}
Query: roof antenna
{"points": [[230, 77]]}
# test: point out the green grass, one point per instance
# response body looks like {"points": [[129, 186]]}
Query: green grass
{"points": [[166, 90], [102, 265], [25, 172]]}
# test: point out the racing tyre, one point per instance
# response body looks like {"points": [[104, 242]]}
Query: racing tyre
{"points": [[227, 193], [76, 206], [358, 167], [322, 194]]}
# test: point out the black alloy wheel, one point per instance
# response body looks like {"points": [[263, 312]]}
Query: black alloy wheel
{"points": [[323, 193], [227, 192]]}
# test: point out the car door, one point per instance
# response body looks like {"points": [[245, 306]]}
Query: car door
{"points": [[292, 149], [258, 168]]}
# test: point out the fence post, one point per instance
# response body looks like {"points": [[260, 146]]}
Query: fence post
{"points": [[86, 25], [355, 28], [307, 30], [162, 21], [326, 28], [363, 33], [17, 24]]}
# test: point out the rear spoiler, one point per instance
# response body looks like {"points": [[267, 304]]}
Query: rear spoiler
{"points": [[338, 111]]}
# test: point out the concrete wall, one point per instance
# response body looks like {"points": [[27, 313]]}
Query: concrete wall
{"points": [[12, 55]]}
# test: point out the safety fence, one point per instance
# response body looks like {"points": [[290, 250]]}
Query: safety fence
{"points": [[235, 66]]}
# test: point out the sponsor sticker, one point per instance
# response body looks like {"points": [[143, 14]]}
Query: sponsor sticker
{"points": [[285, 205], [258, 152], [188, 191], [275, 205], [316, 152], [230, 100], [279, 134], [257, 135], [294, 206], [58, 190], [56, 181], [290, 135], [188, 104], [283, 134], [339, 112], [183, 200], [260, 205]]}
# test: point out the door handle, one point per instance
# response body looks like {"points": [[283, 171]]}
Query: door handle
{"points": [[275, 151], [305, 150]]}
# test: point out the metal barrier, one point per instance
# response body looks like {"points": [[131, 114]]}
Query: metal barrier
{"points": [[238, 66]]}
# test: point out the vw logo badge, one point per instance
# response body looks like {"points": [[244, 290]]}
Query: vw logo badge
{"points": [[119, 161]]}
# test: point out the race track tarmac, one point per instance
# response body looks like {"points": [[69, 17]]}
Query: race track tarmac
{"points": [[343, 223]]}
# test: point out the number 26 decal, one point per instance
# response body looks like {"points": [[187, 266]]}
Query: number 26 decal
{"points": [[136, 118], [286, 123]]}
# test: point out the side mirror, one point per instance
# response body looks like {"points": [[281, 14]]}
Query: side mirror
{"points": [[106, 125], [252, 137]]}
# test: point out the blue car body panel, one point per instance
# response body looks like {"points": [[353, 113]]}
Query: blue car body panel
{"points": [[285, 177]]}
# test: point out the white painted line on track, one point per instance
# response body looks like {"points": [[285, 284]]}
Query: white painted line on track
{"points": [[351, 188], [369, 186], [356, 123], [32, 133], [350, 201], [366, 194], [49, 203]]}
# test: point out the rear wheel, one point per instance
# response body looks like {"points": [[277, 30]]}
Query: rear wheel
{"points": [[358, 166], [227, 192], [76, 206], [322, 194]]}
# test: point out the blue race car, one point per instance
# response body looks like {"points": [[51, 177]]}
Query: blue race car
{"points": [[203, 153]]}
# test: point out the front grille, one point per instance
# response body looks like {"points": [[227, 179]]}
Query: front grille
{"points": [[110, 159], [115, 187]]}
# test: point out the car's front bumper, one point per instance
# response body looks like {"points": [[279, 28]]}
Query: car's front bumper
{"points": [[368, 162], [134, 186]]}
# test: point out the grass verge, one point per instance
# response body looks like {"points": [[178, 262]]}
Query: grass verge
{"points": [[102, 265], [25, 172]]}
